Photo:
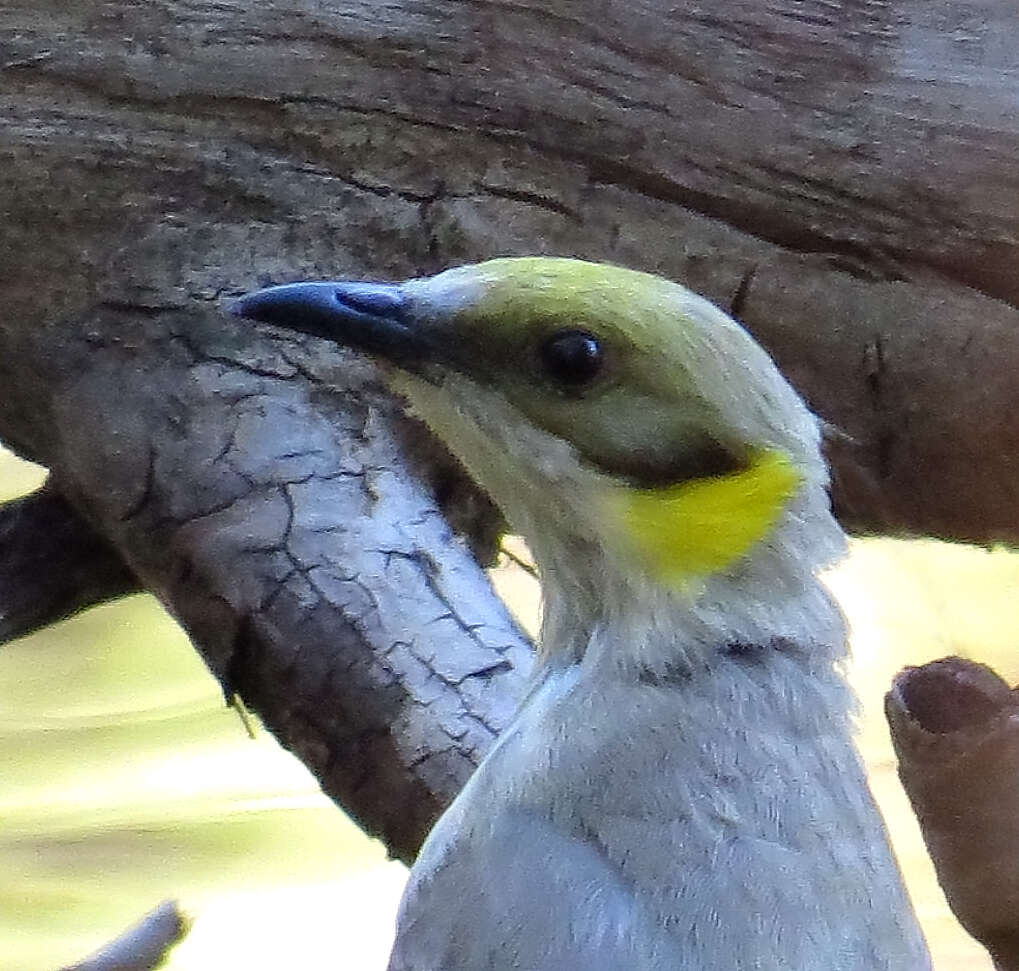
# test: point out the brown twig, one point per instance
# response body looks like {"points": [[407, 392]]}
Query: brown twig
{"points": [[955, 727]]}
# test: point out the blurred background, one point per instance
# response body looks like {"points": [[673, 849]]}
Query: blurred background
{"points": [[125, 780]]}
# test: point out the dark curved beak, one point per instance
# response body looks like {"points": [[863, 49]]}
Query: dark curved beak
{"points": [[372, 317]]}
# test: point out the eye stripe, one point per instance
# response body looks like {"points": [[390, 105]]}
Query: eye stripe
{"points": [[704, 460]]}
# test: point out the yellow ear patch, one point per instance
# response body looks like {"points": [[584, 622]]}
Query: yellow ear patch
{"points": [[702, 526]]}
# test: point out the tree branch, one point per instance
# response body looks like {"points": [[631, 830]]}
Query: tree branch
{"points": [[53, 564], [955, 727], [143, 946], [281, 517]]}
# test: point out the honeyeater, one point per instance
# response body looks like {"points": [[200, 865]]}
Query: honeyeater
{"points": [[679, 788]]}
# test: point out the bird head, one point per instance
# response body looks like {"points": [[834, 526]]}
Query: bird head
{"points": [[638, 438]]}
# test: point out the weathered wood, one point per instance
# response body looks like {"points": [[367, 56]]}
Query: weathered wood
{"points": [[53, 564], [286, 523], [844, 172]]}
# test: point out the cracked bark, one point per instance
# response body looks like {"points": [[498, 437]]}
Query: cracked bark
{"points": [[841, 175]]}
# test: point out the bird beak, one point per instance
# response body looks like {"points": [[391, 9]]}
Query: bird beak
{"points": [[372, 317]]}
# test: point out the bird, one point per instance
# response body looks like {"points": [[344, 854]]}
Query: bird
{"points": [[679, 788]]}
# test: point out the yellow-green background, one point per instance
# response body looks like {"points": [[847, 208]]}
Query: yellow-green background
{"points": [[124, 780]]}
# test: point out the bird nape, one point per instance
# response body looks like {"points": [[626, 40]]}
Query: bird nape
{"points": [[679, 790]]}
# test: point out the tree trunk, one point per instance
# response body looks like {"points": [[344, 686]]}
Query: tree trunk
{"points": [[840, 176]]}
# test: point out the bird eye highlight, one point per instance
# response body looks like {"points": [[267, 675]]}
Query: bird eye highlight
{"points": [[572, 358]]}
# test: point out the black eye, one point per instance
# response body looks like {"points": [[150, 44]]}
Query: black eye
{"points": [[572, 358]]}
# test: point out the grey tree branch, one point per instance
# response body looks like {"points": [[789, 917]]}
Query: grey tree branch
{"points": [[143, 946], [268, 491]]}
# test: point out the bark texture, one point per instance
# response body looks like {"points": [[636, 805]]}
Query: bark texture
{"points": [[841, 176], [53, 564], [955, 726]]}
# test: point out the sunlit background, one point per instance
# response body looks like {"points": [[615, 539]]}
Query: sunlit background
{"points": [[124, 780]]}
